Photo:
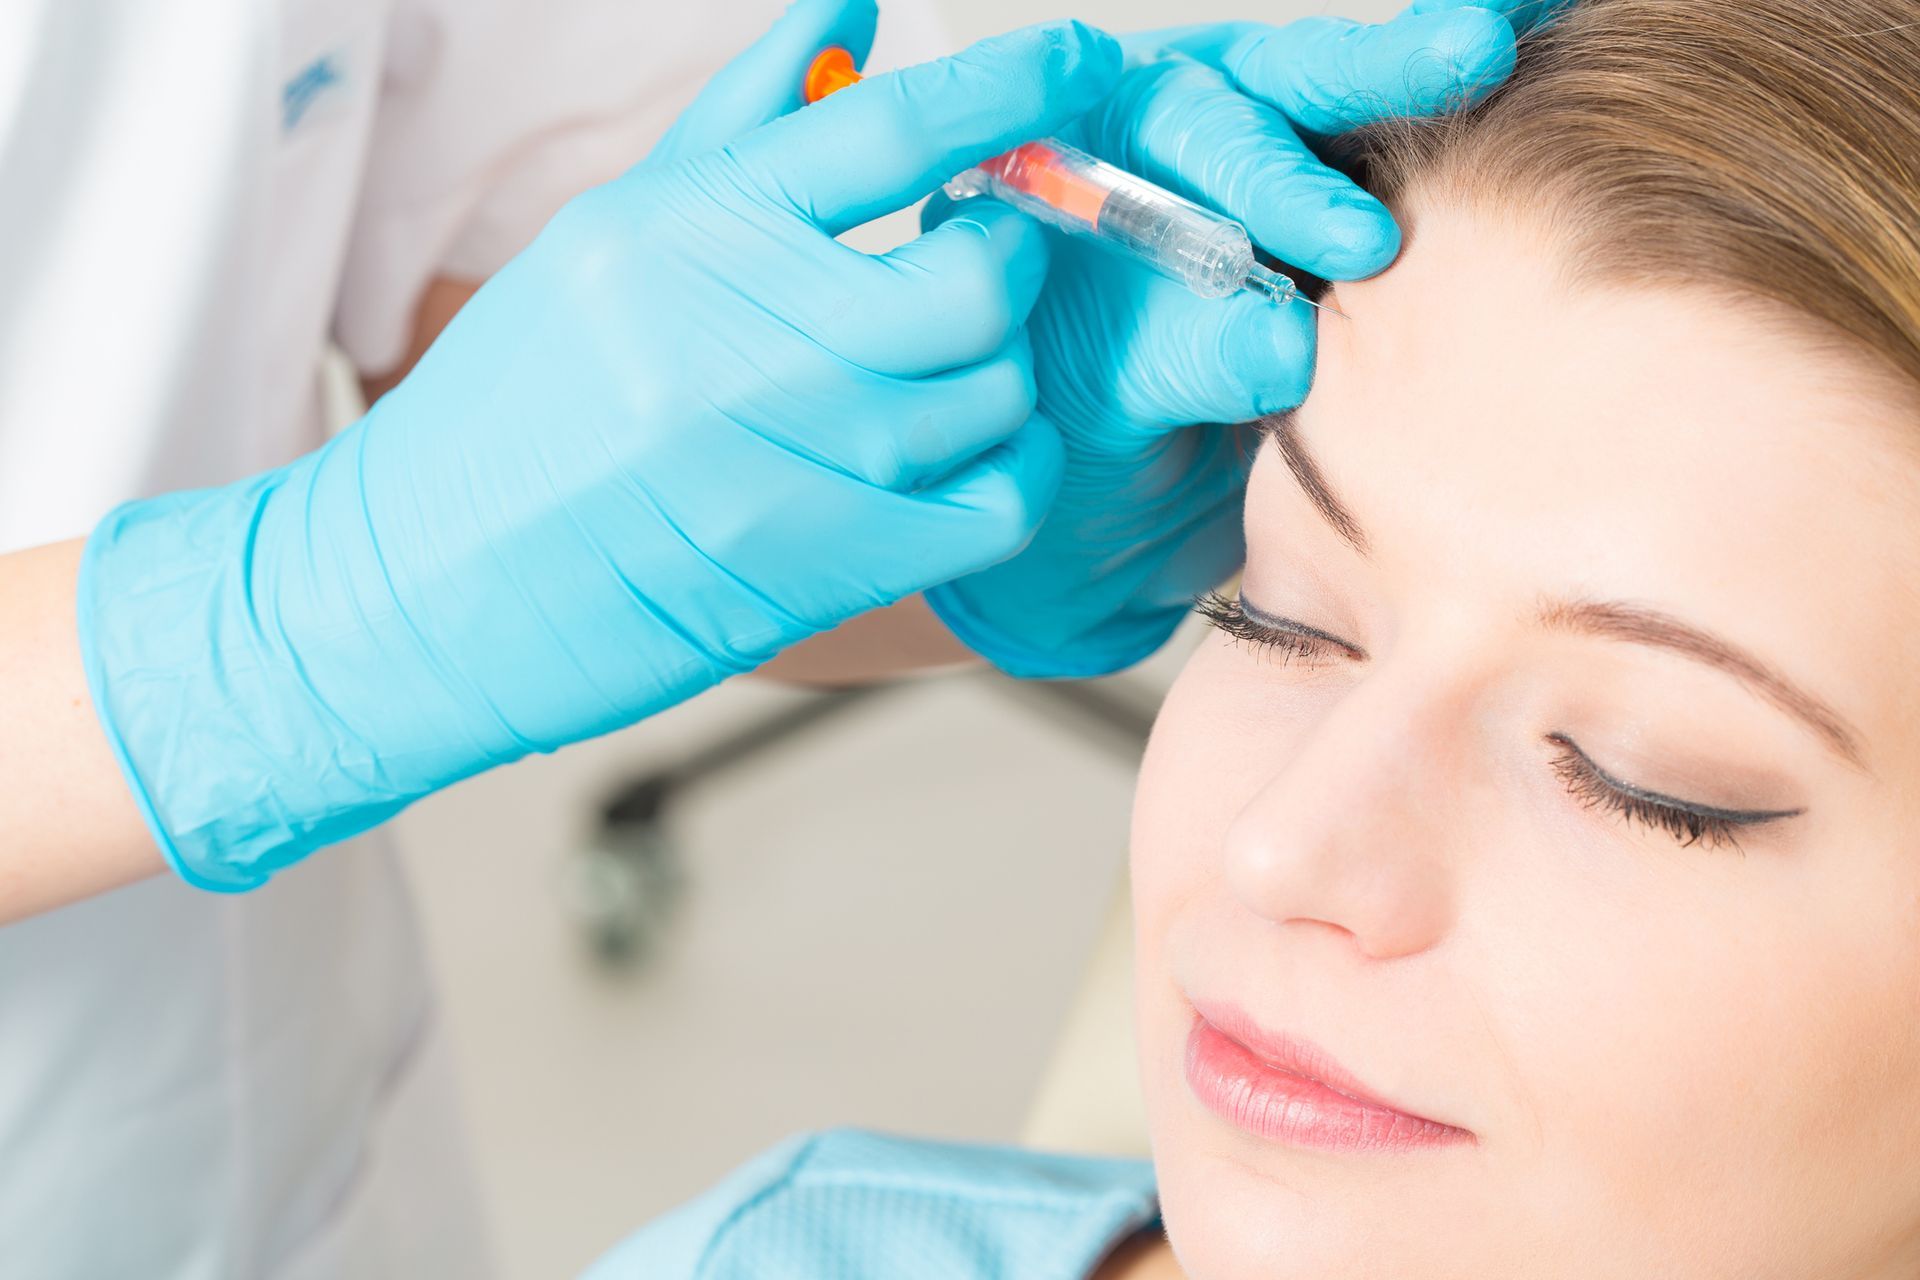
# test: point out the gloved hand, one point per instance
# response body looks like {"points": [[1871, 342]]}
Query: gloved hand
{"points": [[1127, 361], [682, 430]]}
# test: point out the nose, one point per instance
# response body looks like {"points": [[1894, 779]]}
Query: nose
{"points": [[1351, 831]]}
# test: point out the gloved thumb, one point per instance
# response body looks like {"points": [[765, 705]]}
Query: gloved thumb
{"points": [[884, 143], [764, 82]]}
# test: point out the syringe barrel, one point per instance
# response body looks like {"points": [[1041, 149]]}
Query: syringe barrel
{"points": [[1069, 189]]}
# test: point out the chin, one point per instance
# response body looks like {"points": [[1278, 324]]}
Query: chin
{"points": [[1227, 1222]]}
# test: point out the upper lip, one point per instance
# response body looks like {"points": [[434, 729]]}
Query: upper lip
{"points": [[1298, 1057]]}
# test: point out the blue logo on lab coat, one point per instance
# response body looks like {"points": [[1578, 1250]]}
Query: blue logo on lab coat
{"points": [[299, 93]]}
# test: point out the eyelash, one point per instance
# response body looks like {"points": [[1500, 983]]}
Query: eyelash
{"points": [[1688, 824], [1227, 616]]}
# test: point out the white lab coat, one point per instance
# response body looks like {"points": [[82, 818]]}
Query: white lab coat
{"points": [[194, 196]]}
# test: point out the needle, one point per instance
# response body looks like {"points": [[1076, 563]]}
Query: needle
{"points": [[1279, 288]]}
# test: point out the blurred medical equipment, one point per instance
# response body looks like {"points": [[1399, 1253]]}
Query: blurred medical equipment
{"points": [[622, 884], [1072, 191]]}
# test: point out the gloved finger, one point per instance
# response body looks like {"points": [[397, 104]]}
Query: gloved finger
{"points": [[1177, 358], [987, 512], [1221, 360], [1525, 15], [903, 433], [1202, 40], [882, 144], [1185, 126], [951, 419], [1211, 542], [1328, 75], [953, 296], [764, 82]]}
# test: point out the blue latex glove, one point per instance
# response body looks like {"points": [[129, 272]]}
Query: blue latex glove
{"points": [[1525, 15], [684, 429], [1149, 512]]}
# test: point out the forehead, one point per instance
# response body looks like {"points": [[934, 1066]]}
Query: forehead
{"points": [[1504, 433], [1480, 326]]}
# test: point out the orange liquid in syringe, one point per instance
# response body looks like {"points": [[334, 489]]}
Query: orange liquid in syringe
{"points": [[1035, 169]]}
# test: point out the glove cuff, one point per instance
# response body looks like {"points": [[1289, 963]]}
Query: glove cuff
{"points": [[155, 595], [254, 711]]}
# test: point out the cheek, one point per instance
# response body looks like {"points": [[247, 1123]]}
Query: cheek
{"points": [[1194, 778], [1201, 766], [1192, 781], [1701, 1017]]}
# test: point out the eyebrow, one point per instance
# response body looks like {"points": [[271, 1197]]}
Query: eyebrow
{"points": [[1613, 620], [1638, 624], [1283, 430]]}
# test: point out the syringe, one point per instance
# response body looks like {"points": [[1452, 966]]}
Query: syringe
{"points": [[1065, 187]]}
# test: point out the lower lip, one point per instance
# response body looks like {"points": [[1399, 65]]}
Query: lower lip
{"points": [[1279, 1105]]}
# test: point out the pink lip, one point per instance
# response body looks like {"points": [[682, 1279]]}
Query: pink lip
{"points": [[1286, 1090]]}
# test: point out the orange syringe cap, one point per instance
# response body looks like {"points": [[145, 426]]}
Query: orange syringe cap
{"points": [[832, 71]]}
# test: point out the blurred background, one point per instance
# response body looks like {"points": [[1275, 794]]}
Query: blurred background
{"points": [[766, 912]]}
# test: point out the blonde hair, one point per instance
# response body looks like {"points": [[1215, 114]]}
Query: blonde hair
{"points": [[1770, 147]]}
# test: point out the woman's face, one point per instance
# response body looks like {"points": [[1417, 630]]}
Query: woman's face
{"points": [[1532, 886]]}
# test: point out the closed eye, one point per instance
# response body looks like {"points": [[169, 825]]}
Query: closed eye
{"points": [[1269, 633], [1687, 821]]}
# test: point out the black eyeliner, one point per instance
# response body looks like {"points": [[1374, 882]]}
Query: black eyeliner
{"points": [[1706, 813], [1255, 614]]}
